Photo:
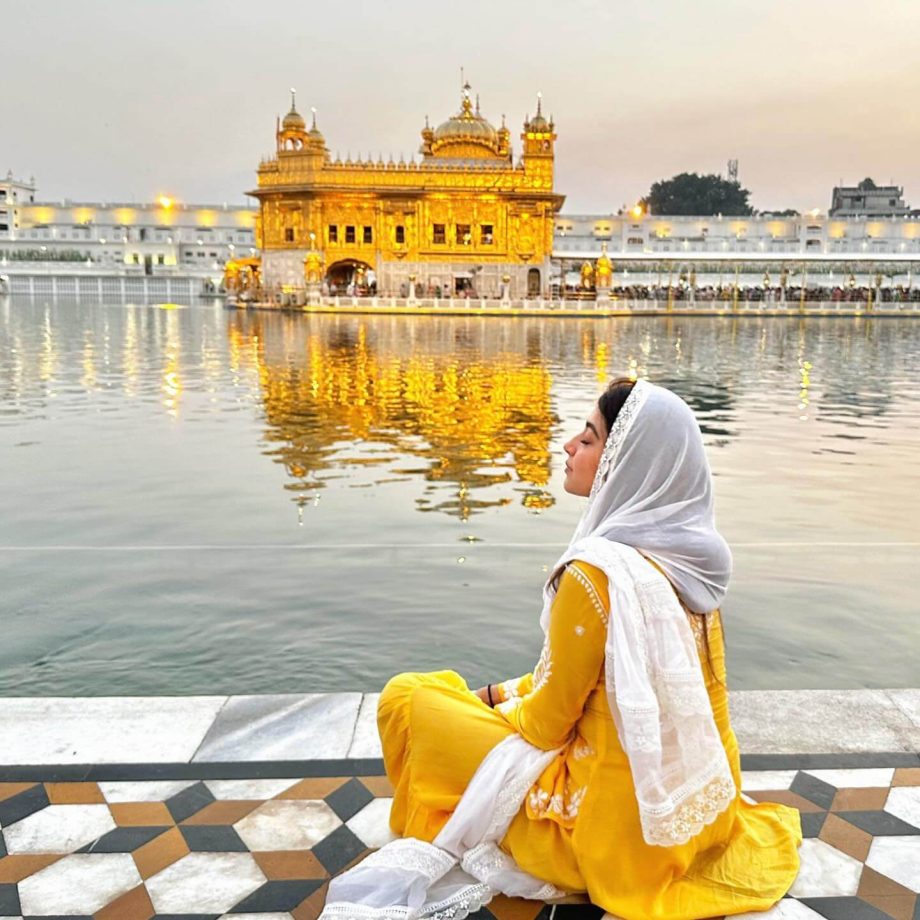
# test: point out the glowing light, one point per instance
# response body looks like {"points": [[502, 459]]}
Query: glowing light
{"points": [[165, 202], [637, 211]]}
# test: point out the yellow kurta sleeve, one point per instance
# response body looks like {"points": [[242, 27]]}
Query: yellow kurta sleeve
{"points": [[569, 666], [510, 689]]}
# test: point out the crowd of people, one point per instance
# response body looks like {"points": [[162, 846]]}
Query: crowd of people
{"points": [[649, 292], [838, 294]]}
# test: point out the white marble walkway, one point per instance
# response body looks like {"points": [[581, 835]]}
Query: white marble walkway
{"points": [[319, 726]]}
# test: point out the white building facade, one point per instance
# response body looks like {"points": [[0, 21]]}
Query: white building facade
{"points": [[68, 247], [868, 200], [643, 245]]}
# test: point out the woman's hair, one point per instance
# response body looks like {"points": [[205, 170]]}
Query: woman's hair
{"points": [[612, 399]]}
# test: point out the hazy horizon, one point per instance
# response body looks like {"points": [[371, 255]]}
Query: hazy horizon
{"points": [[113, 102]]}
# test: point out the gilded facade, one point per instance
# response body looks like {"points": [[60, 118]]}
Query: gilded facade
{"points": [[463, 217]]}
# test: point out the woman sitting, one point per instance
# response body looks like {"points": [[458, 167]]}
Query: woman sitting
{"points": [[612, 769]]}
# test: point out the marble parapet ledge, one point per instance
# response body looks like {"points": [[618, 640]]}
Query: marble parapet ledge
{"points": [[276, 734]]}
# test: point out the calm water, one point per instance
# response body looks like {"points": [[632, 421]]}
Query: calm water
{"points": [[203, 501]]}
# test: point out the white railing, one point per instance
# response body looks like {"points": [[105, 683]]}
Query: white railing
{"points": [[103, 287], [473, 305]]}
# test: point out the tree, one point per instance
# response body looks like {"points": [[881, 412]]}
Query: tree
{"points": [[695, 195]]}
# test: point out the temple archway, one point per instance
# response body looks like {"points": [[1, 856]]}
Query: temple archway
{"points": [[341, 275], [533, 282]]}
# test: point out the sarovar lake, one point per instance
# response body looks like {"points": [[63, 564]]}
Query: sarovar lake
{"points": [[198, 500]]}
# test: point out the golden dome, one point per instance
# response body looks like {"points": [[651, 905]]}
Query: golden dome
{"points": [[293, 121], [314, 132], [538, 122], [467, 124]]}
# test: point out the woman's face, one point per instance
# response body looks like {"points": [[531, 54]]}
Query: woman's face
{"points": [[584, 454]]}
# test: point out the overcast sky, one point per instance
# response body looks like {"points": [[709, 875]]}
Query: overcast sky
{"points": [[128, 99]]}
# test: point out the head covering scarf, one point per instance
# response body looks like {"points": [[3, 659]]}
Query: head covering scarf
{"points": [[653, 491], [651, 500]]}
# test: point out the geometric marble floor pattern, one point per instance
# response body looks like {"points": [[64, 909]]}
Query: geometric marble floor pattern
{"points": [[264, 849]]}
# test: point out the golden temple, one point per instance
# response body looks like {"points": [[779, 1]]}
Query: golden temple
{"points": [[463, 219]]}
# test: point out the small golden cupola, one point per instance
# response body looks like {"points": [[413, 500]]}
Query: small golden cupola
{"points": [[316, 143], [465, 136], [539, 133], [504, 140], [292, 130], [316, 136]]}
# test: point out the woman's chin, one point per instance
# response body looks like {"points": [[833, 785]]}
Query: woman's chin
{"points": [[573, 489]]}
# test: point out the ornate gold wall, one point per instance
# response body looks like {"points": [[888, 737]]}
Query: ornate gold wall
{"points": [[464, 209]]}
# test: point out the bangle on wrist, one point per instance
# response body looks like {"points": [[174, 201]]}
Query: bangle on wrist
{"points": [[489, 691]]}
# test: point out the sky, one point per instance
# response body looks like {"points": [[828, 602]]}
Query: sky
{"points": [[125, 100]]}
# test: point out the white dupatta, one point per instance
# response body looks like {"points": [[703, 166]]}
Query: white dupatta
{"points": [[652, 498]]}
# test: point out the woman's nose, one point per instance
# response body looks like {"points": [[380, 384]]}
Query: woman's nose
{"points": [[568, 448]]}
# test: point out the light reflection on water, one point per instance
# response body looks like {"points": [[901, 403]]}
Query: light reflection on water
{"points": [[208, 501]]}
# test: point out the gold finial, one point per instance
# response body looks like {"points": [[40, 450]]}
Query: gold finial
{"points": [[293, 95], [466, 103], [539, 103], [313, 111]]}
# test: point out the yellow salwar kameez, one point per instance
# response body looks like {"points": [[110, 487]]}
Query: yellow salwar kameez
{"points": [[579, 826]]}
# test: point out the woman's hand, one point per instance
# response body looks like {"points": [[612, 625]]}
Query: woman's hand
{"points": [[483, 694]]}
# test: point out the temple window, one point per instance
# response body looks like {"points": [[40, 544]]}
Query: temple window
{"points": [[368, 236], [400, 234], [485, 234], [288, 234], [439, 233], [463, 234], [333, 233], [349, 234]]}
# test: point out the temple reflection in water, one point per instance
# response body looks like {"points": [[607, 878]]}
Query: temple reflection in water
{"points": [[406, 392], [453, 415]]}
